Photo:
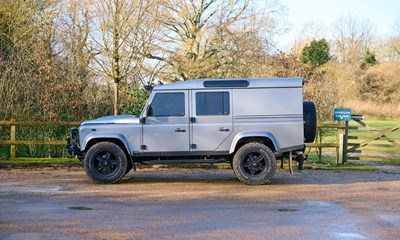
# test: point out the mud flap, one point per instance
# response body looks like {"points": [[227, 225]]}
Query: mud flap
{"points": [[132, 162]]}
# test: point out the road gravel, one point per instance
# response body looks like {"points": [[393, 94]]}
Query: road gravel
{"points": [[177, 203]]}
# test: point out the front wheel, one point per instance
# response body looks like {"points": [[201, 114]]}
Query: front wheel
{"points": [[105, 163], [254, 164]]}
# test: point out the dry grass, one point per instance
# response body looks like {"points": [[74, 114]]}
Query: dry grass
{"points": [[372, 108]]}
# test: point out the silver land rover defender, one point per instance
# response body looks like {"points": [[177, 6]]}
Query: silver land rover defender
{"points": [[246, 122]]}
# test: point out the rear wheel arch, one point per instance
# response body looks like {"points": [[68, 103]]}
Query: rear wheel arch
{"points": [[266, 138]]}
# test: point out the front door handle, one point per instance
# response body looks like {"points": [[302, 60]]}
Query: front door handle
{"points": [[222, 129], [180, 130]]}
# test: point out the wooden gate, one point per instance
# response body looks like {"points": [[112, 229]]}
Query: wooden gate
{"points": [[372, 143]]}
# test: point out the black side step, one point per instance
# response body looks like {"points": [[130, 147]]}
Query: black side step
{"points": [[186, 161]]}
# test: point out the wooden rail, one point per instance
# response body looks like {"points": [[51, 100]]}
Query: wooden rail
{"points": [[341, 141], [13, 142], [36, 123], [379, 139]]}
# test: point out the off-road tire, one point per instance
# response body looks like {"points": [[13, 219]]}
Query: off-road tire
{"points": [[310, 121], [106, 163], [254, 163]]}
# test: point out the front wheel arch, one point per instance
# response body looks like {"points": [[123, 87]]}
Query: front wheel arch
{"points": [[120, 143]]}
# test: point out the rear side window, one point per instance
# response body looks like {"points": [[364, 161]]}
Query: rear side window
{"points": [[168, 104], [212, 103]]}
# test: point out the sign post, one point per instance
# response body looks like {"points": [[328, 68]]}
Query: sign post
{"points": [[343, 115]]}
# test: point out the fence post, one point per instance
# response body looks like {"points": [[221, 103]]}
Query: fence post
{"points": [[345, 141], [339, 150], [342, 138], [12, 138]]}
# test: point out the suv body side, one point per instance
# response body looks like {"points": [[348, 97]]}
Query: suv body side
{"points": [[204, 119], [216, 119]]}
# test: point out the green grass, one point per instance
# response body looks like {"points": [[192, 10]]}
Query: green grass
{"points": [[330, 136], [40, 161], [365, 134], [329, 163], [347, 166]]}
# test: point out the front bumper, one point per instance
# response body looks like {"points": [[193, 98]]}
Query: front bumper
{"points": [[73, 143]]}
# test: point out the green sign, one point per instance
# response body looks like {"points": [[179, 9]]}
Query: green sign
{"points": [[342, 114]]}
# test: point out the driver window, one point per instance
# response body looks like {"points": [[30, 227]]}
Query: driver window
{"points": [[167, 105]]}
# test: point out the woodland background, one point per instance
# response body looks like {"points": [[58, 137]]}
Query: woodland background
{"points": [[72, 60]]}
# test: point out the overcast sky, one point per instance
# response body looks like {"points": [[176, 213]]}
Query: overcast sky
{"points": [[381, 13]]}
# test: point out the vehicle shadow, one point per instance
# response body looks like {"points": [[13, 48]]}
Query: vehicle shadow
{"points": [[281, 177]]}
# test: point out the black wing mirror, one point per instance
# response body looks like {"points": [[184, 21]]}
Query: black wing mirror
{"points": [[148, 112]]}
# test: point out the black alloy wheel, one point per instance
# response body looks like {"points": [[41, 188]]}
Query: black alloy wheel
{"points": [[254, 163], [106, 162]]}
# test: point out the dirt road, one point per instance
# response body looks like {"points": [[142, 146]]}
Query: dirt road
{"points": [[199, 204]]}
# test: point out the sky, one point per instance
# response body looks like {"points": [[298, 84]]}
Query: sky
{"points": [[382, 14]]}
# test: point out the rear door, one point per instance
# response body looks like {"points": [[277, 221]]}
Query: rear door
{"points": [[211, 119]]}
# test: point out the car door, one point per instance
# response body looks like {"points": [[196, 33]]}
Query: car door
{"points": [[166, 128], [211, 119]]}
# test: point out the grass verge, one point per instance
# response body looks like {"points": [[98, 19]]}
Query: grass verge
{"points": [[329, 163], [39, 162]]}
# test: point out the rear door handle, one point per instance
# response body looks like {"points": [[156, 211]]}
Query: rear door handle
{"points": [[222, 129], [180, 130]]}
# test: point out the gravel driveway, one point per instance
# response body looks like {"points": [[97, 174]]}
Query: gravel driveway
{"points": [[176, 203]]}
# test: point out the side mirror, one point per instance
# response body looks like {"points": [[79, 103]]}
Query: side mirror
{"points": [[147, 112]]}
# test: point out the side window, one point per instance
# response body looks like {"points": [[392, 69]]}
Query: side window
{"points": [[168, 104], [212, 103]]}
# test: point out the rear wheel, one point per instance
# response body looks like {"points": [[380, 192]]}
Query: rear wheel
{"points": [[106, 162], [254, 163]]}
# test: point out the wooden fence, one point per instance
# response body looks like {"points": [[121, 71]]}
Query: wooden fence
{"points": [[372, 143], [341, 145], [13, 142]]}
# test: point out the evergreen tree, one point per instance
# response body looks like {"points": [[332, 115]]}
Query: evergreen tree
{"points": [[316, 54], [369, 59]]}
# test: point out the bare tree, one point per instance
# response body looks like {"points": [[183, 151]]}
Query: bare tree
{"points": [[120, 34], [392, 44], [194, 32], [26, 60], [354, 37], [72, 37], [308, 32]]}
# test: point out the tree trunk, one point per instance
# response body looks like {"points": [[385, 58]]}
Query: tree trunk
{"points": [[116, 96]]}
